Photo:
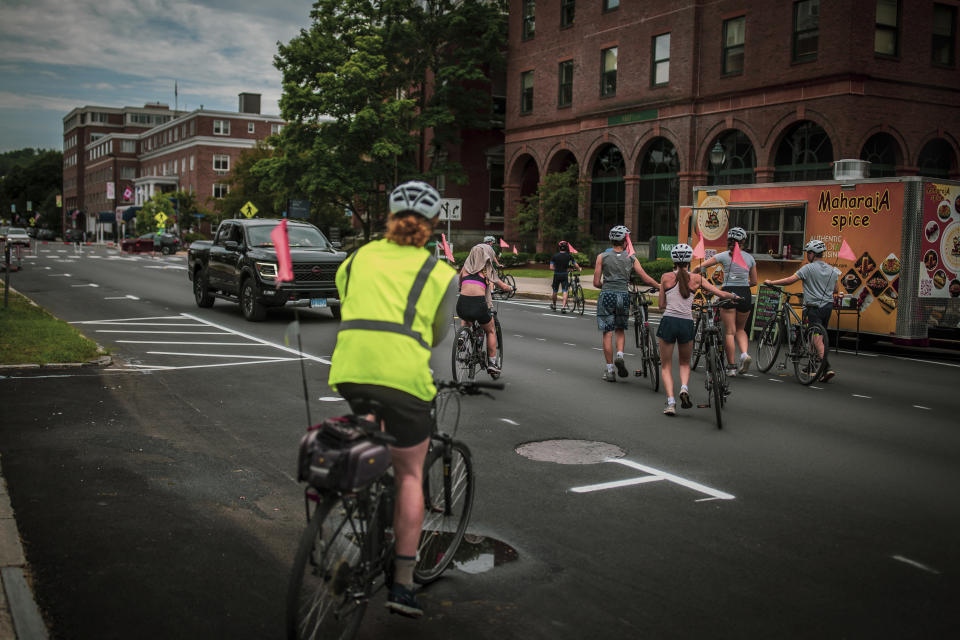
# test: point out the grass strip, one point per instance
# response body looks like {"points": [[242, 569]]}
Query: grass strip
{"points": [[30, 335], [539, 273]]}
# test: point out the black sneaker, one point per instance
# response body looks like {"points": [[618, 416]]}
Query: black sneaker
{"points": [[685, 399], [553, 306], [403, 601], [621, 367], [829, 373]]}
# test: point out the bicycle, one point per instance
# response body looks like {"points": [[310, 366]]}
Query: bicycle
{"points": [[715, 382], [470, 351], [644, 336], [699, 322], [575, 293], [800, 337], [345, 555], [505, 278]]}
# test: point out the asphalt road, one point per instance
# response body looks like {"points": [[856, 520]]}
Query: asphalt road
{"points": [[157, 498]]}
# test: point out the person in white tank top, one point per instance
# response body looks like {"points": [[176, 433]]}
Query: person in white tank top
{"points": [[676, 325]]}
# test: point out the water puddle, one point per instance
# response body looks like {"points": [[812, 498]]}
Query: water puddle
{"points": [[479, 554]]}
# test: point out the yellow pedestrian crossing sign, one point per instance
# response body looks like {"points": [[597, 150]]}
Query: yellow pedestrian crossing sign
{"points": [[248, 210], [161, 218]]}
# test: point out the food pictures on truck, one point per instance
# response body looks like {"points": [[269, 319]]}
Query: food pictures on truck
{"points": [[904, 232]]}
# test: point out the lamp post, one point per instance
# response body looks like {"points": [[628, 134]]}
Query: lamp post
{"points": [[717, 157]]}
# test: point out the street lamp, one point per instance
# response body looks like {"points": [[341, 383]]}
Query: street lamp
{"points": [[717, 156]]}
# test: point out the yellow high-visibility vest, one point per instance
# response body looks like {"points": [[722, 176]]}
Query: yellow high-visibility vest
{"points": [[389, 296]]}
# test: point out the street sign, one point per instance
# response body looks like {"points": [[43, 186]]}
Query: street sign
{"points": [[248, 210], [450, 209], [161, 217], [29, 205], [59, 200], [299, 208]]}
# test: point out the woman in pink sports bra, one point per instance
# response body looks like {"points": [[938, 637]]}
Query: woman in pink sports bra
{"points": [[676, 326], [477, 277]]}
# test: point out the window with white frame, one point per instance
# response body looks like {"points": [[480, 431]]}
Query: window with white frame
{"points": [[128, 173], [192, 158], [661, 60], [221, 127], [128, 146], [221, 162], [251, 127], [220, 190], [275, 129]]}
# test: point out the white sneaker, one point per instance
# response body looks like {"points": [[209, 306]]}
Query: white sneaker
{"points": [[745, 361], [609, 375]]}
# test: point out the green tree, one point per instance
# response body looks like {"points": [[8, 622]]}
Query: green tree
{"points": [[551, 212], [245, 186], [34, 176], [189, 211], [358, 104], [159, 202]]}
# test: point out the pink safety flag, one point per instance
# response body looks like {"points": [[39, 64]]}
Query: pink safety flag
{"points": [[570, 247], [514, 249], [446, 248], [630, 250], [282, 246], [503, 244], [846, 252], [738, 256], [698, 251]]}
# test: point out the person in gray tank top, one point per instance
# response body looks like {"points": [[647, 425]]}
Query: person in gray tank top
{"points": [[819, 290], [735, 314], [611, 274]]}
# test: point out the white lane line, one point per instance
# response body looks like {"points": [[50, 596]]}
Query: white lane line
{"points": [[330, 399], [554, 315], [774, 380], [813, 387], [214, 344], [116, 320], [946, 364], [216, 355], [509, 421], [857, 395], [57, 275], [920, 406], [260, 340], [152, 324], [616, 484], [524, 304], [148, 367], [596, 348], [541, 339], [517, 335], [918, 565], [166, 266], [192, 333], [569, 344], [690, 484], [95, 286]]}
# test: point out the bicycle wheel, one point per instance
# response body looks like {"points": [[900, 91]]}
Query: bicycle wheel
{"points": [[698, 336], [810, 365], [328, 590], [499, 332], [768, 346], [714, 369], [653, 359], [448, 501], [578, 300], [462, 355], [510, 280]]}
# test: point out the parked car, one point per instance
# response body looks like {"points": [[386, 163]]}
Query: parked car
{"points": [[165, 243], [16, 235], [46, 234], [73, 235]]}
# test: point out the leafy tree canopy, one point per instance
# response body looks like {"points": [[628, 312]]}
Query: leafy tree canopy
{"points": [[552, 211], [34, 176], [159, 202]]}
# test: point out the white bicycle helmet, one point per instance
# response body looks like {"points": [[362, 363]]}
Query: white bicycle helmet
{"points": [[489, 240], [737, 233], [619, 232], [416, 196], [681, 253], [815, 246]]}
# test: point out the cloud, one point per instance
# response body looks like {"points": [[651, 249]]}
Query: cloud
{"points": [[58, 104]]}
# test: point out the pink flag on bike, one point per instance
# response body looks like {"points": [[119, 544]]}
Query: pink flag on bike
{"points": [[570, 247], [630, 250], [698, 251], [846, 252], [446, 248], [738, 256], [514, 249], [282, 246], [503, 244]]}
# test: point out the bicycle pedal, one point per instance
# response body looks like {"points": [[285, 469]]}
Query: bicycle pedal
{"points": [[639, 373], [703, 406]]}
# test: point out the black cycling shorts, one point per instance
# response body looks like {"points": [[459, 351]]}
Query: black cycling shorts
{"points": [[744, 304], [472, 308], [819, 314], [407, 418]]}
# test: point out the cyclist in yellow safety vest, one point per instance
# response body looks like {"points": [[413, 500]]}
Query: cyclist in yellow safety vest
{"points": [[396, 303]]}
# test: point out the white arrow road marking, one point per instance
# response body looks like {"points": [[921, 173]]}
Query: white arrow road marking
{"points": [[260, 340], [654, 476]]}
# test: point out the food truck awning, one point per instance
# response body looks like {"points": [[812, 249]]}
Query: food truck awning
{"points": [[756, 205]]}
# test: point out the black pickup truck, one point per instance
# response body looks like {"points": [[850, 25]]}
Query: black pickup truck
{"points": [[240, 265]]}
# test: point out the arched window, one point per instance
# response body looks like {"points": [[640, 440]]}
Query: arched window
{"points": [[659, 200], [739, 160], [805, 153], [881, 150], [607, 192], [936, 159]]}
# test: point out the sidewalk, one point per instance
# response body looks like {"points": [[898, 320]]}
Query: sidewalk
{"points": [[539, 288]]}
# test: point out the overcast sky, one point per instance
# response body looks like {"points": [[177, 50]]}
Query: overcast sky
{"points": [[56, 55]]}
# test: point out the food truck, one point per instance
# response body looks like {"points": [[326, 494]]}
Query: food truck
{"points": [[904, 279]]}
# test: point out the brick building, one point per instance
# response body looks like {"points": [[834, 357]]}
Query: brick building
{"points": [[115, 158], [638, 94]]}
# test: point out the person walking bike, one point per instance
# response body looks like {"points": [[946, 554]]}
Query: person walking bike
{"points": [[819, 290], [734, 315], [611, 275], [676, 326], [396, 301], [477, 278], [561, 264]]}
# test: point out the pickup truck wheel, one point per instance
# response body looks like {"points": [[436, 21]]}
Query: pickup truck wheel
{"points": [[200, 291], [252, 310], [165, 250]]}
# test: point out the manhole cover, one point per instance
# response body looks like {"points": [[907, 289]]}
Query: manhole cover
{"points": [[570, 451]]}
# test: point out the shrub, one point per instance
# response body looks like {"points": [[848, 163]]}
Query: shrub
{"points": [[656, 268], [542, 257]]}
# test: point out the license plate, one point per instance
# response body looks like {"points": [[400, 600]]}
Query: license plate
{"points": [[318, 303]]}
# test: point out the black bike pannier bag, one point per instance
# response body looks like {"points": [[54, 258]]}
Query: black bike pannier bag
{"points": [[338, 454]]}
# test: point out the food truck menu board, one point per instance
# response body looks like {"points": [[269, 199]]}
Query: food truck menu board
{"points": [[765, 306], [940, 242]]}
